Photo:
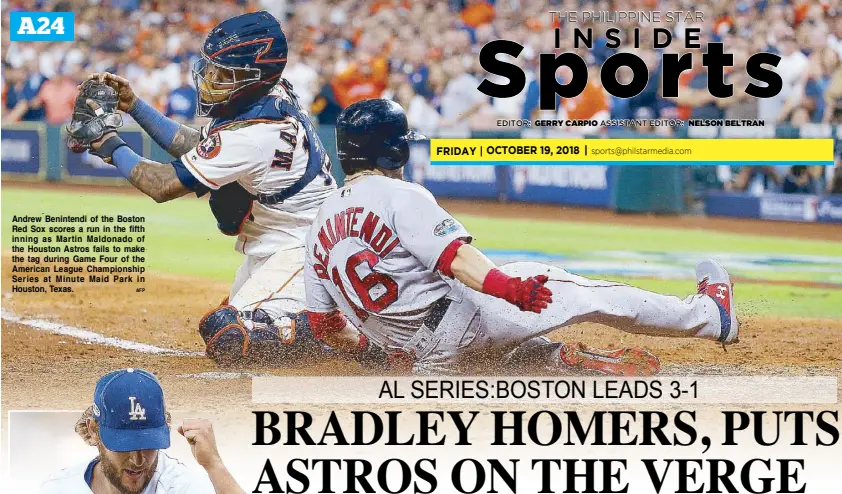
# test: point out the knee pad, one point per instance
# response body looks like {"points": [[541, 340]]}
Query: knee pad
{"points": [[289, 328], [254, 337], [226, 337], [281, 341]]}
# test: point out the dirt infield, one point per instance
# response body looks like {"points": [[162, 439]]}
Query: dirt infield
{"points": [[64, 367]]}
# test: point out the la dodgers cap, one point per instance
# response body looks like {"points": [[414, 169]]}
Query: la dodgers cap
{"points": [[129, 408]]}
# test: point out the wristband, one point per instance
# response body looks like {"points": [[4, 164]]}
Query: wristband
{"points": [[124, 158], [161, 129], [496, 284], [107, 148]]}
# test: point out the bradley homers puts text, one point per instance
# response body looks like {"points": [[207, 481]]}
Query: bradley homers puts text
{"points": [[500, 469]]}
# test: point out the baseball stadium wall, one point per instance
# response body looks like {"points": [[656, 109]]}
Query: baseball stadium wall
{"points": [[36, 152]]}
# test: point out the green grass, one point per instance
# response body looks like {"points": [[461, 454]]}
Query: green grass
{"points": [[182, 239], [759, 299], [572, 237], [181, 236]]}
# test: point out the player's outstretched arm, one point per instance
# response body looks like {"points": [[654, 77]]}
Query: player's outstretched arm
{"points": [[175, 138], [467, 264], [447, 250], [199, 433], [157, 180], [471, 267]]}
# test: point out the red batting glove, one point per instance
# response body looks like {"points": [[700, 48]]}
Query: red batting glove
{"points": [[529, 295]]}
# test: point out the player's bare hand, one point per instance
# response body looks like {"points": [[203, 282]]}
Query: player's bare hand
{"points": [[199, 434], [531, 295], [128, 99]]}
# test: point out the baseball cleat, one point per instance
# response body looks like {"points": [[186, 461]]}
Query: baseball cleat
{"points": [[715, 282], [632, 361]]}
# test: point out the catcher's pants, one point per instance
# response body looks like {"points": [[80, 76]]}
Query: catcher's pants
{"points": [[478, 328], [273, 283]]}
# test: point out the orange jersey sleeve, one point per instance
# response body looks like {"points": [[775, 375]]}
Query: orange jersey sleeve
{"points": [[593, 100], [477, 14]]}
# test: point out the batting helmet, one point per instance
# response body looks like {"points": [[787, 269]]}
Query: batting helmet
{"points": [[242, 60], [373, 133]]}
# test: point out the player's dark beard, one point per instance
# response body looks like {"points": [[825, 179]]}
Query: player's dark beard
{"points": [[112, 473]]}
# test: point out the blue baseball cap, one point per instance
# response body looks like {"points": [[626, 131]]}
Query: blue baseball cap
{"points": [[129, 408]]}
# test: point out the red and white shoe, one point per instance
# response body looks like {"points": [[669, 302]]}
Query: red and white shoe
{"points": [[715, 282], [623, 362]]}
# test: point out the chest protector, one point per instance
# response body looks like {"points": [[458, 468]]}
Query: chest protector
{"points": [[232, 204]]}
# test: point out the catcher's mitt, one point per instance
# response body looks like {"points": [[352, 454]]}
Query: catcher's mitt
{"points": [[94, 114]]}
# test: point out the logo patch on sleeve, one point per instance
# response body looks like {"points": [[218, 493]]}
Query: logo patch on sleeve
{"points": [[210, 147], [447, 226]]}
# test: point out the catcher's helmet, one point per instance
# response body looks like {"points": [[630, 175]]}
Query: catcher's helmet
{"points": [[242, 60], [373, 133]]}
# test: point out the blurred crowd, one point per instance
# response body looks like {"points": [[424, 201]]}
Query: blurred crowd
{"points": [[757, 180], [424, 54]]}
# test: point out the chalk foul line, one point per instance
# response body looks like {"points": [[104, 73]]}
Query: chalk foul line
{"points": [[87, 336], [222, 376]]}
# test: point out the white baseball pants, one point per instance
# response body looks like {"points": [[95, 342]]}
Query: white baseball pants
{"points": [[478, 326]]}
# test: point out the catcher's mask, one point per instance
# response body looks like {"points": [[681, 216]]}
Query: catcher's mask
{"points": [[241, 60], [217, 84]]}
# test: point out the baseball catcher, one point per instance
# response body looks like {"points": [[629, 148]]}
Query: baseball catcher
{"points": [[382, 256], [259, 159]]}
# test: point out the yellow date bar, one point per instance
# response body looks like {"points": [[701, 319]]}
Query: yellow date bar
{"points": [[679, 152]]}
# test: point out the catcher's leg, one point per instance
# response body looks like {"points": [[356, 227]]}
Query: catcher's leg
{"points": [[261, 323], [257, 340], [273, 283]]}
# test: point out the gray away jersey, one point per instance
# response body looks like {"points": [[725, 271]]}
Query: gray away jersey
{"points": [[372, 253]]}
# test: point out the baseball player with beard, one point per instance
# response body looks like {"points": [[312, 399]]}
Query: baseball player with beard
{"points": [[129, 425], [260, 160], [383, 257]]}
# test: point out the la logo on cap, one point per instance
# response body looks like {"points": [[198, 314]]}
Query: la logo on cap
{"points": [[136, 412]]}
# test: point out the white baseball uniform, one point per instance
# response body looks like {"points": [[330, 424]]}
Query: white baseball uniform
{"points": [[372, 253], [170, 477], [265, 156]]}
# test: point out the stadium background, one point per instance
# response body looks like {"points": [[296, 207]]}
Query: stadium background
{"points": [[424, 53]]}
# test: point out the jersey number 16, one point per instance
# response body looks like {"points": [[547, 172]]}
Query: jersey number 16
{"points": [[363, 286]]}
